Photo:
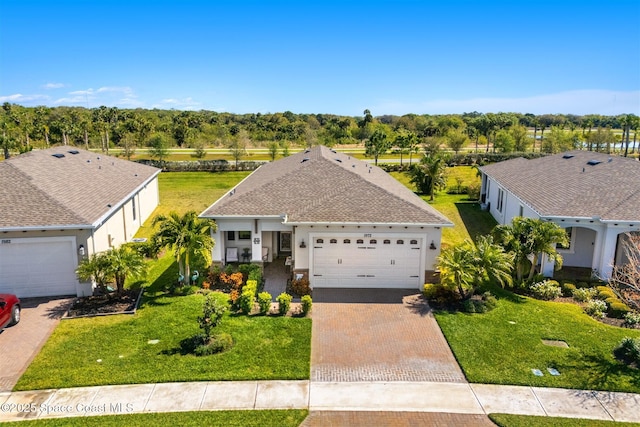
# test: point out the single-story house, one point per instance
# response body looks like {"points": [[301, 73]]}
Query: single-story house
{"points": [[62, 204], [594, 196], [337, 220]]}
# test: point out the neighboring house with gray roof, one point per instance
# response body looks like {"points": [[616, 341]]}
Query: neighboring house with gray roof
{"points": [[595, 196], [339, 220], [62, 204]]}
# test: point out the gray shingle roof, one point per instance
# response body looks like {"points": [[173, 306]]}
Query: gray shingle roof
{"points": [[327, 187], [570, 187], [40, 190]]}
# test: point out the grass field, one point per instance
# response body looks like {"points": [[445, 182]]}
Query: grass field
{"points": [[289, 418], [469, 221], [186, 191]]}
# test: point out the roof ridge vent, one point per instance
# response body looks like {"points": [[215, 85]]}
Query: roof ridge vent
{"points": [[594, 162], [306, 159], [610, 160], [58, 155], [568, 156], [73, 152]]}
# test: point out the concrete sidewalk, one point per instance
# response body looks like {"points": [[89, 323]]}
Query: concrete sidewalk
{"points": [[454, 398]]}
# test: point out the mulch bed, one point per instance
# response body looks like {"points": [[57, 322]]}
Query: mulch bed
{"points": [[104, 304]]}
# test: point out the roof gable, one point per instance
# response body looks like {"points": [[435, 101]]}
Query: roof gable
{"points": [[568, 185], [65, 186], [321, 185]]}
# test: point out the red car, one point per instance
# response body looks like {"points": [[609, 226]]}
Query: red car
{"points": [[9, 310]]}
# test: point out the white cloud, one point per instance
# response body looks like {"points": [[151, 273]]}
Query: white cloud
{"points": [[53, 85], [578, 102], [20, 98], [82, 92], [182, 104]]}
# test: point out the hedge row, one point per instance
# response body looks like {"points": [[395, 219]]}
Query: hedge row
{"points": [[200, 165]]}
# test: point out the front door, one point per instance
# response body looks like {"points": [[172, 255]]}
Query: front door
{"points": [[285, 241]]}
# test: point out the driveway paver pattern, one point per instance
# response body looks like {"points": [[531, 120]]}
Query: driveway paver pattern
{"points": [[378, 335], [22, 342]]}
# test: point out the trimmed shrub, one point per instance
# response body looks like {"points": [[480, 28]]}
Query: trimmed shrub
{"points": [[246, 301], [264, 301], [489, 300], [217, 344], [284, 303], [256, 275], [306, 304], [604, 293], [618, 309], [596, 308], [631, 319], [584, 294], [545, 290], [251, 286], [583, 285], [567, 289], [430, 290], [628, 351], [301, 286]]}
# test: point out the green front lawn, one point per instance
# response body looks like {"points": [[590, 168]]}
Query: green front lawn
{"points": [[502, 346], [507, 420], [116, 349], [288, 418]]}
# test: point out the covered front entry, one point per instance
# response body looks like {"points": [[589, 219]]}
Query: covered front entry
{"points": [[343, 261], [36, 267]]}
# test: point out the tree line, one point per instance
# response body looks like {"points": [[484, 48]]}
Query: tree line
{"points": [[22, 128]]}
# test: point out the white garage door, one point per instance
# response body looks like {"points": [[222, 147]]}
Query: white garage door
{"points": [[36, 267], [356, 262]]}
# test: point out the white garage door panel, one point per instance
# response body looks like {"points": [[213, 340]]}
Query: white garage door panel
{"points": [[366, 265], [38, 267]]}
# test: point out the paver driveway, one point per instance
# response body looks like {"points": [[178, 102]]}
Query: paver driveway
{"points": [[22, 342], [378, 335]]}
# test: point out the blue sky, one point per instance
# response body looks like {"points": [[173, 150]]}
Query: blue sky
{"points": [[337, 57]]}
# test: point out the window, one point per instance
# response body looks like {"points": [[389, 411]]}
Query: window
{"points": [[346, 241], [133, 205], [521, 211], [320, 241], [400, 242], [413, 242], [231, 235], [333, 241], [571, 237], [373, 242], [386, 242], [360, 241], [500, 199], [244, 235]]}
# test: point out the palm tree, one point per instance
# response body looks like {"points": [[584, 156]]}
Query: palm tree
{"points": [[466, 266], [456, 268], [95, 269], [429, 175], [527, 238], [187, 235], [124, 262]]}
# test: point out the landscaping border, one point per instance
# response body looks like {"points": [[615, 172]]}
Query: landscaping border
{"points": [[135, 308]]}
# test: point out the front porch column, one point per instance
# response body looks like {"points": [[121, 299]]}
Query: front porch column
{"points": [[256, 242], [605, 264]]}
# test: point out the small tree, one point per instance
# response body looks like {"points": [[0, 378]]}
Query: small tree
{"points": [[377, 144], [273, 150], [159, 147], [212, 311]]}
